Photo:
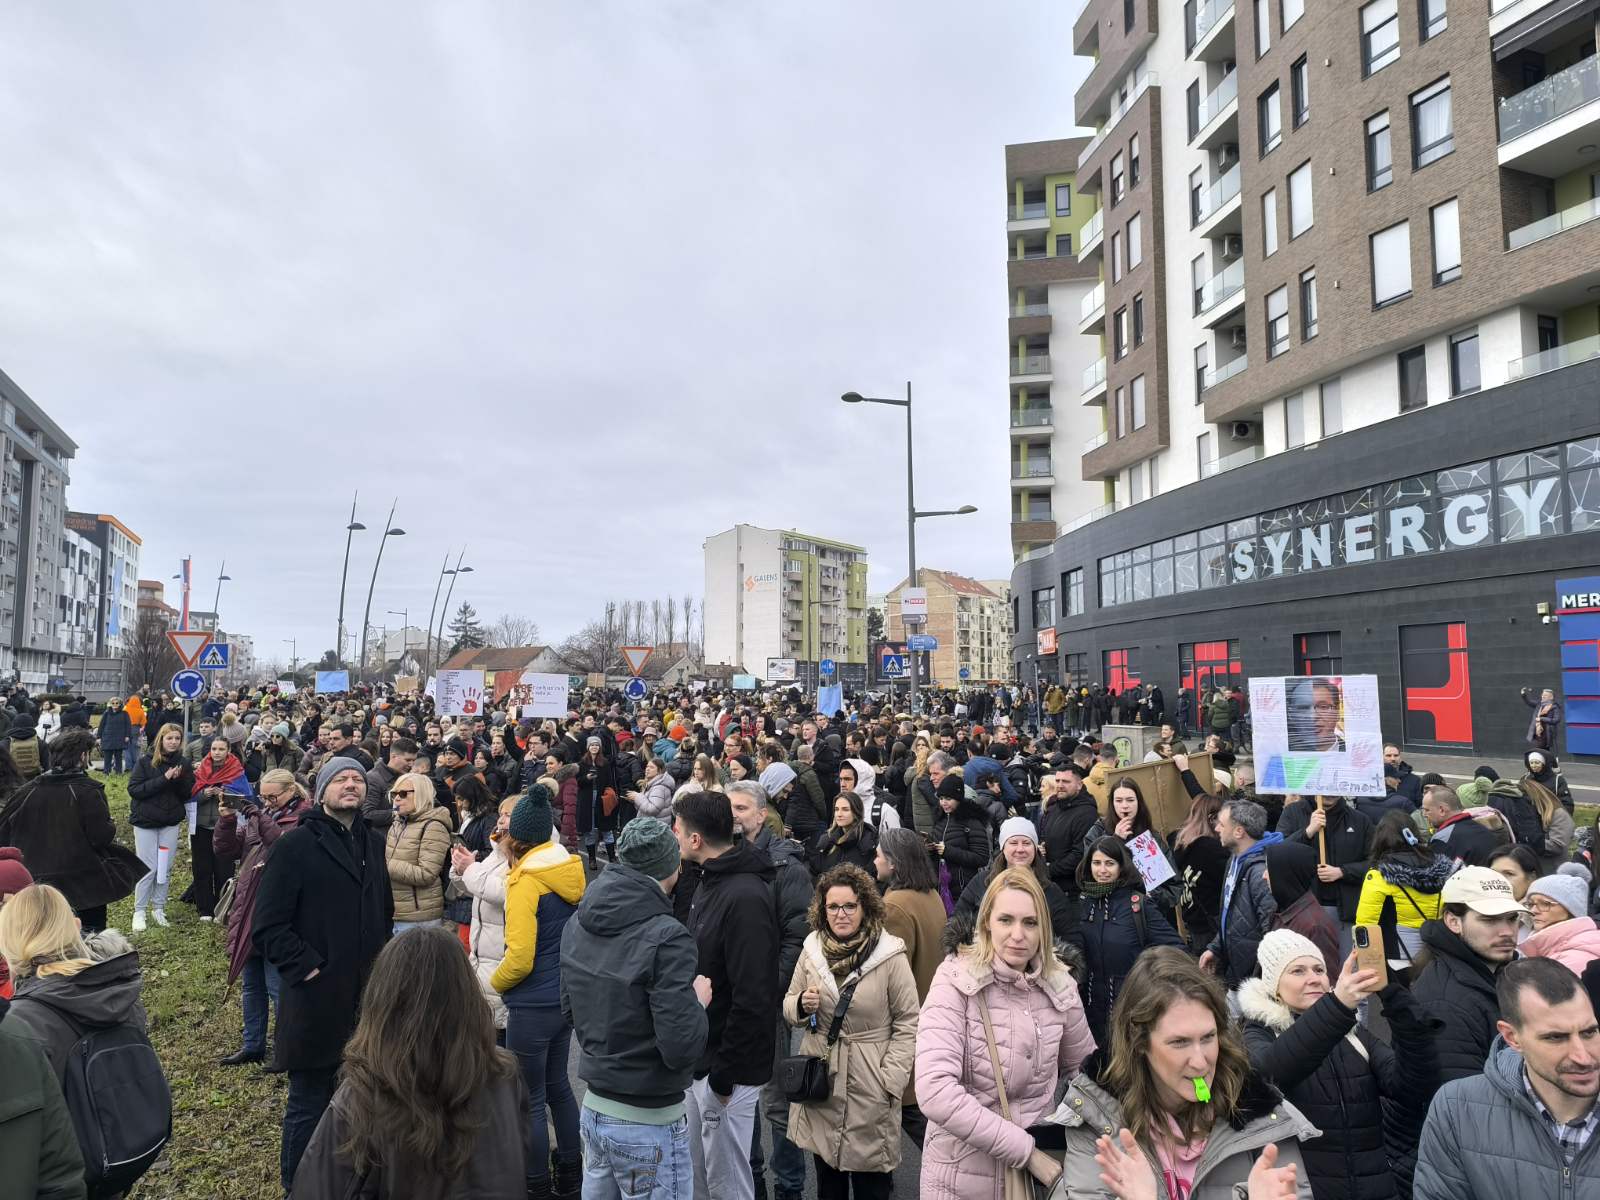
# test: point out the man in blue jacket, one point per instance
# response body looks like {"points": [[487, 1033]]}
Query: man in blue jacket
{"points": [[1247, 903]]}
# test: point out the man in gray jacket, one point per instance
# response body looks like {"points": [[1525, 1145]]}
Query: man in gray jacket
{"points": [[629, 987], [1526, 1126]]}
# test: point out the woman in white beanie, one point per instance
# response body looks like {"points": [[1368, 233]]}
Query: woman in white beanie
{"points": [[1019, 847], [1562, 928], [1301, 1033]]}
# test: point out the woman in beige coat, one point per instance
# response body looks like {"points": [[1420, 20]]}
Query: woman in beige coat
{"points": [[854, 1135], [416, 847]]}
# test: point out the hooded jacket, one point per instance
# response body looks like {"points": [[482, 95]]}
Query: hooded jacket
{"points": [[542, 892], [1458, 987], [56, 1010], [808, 813], [655, 800], [1246, 914], [627, 987], [38, 1144], [1348, 834], [791, 894], [484, 881], [1509, 800], [735, 928], [1573, 943], [1292, 876], [965, 834], [62, 824], [1467, 842], [1549, 776], [1401, 891], [879, 810], [1349, 1083]]}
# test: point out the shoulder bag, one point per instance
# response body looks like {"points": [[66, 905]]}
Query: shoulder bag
{"points": [[804, 1077], [1019, 1185]]}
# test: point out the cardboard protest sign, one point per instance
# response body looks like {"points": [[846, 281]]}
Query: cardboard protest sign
{"points": [[1162, 789]]}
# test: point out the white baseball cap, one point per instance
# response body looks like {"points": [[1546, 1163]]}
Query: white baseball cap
{"points": [[1487, 893]]}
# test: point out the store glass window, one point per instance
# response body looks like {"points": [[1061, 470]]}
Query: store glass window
{"points": [[1318, 653], [1436, 684], [1120, 668]]}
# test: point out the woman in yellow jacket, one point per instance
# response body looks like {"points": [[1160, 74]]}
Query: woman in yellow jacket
{"points": [[543, 888], [1402, 888]]}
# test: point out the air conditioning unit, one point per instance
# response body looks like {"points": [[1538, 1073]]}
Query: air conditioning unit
{"points": [[1242, 431], [1228, 68], [1236, 337], [1233, 246], [1227, 155]]}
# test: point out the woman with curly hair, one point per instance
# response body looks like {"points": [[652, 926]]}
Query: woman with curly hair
{"points": [[854, 994]]}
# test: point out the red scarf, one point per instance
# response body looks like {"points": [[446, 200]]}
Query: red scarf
{"points": [[208, 774]]}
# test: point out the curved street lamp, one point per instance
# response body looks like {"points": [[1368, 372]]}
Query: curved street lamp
{"points": [[351, 530], [389, 531], [455, 572]]}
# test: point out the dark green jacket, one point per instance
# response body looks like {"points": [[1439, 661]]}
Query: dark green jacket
{"points": [[38, 1147]]}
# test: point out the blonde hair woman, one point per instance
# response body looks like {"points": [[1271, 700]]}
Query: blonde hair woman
{"points": [[1005, 999], [417, 844]]}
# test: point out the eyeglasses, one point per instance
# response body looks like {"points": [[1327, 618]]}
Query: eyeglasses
{"points": [[1539, 904], [399, 795], [843, 910]]}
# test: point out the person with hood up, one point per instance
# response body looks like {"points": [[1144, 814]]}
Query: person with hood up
{"points": [[1369, 1097], [1401, 892], [1562, 927], [26, 747], [543, 886], [249, 833], [1542, 786], [1292, 876], [960, 837], [857, 775], [629, 987], [848, 840], [1543, 770], [1019, 847], [67, 985], [1117, 924], [1247, 902]]}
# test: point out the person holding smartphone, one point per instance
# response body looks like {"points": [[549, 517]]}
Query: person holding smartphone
{"points": [[219, 773]]}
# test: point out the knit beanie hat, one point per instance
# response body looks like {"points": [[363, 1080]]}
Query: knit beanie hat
{"points": [[648, 846], [14, 875], [331, 768], [1566, 890], [531, 823], [951, 785], [1018, 827], [281, 729], [457, 746], [1280, 948], [1577, 870]]}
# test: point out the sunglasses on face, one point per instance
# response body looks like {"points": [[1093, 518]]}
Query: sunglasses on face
{"points": [[401, 795]]}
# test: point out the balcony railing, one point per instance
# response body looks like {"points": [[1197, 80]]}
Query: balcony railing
{"points": [[1555, 358], [1027, 212], [1218, 194], [1550, 98], [1092, 303], [1094, 514], [1148, 79], [1224, 373], [1207, 17], [1098, 440], [1031, 310], [1031, 416], [1029, 252], [1224, 94], [1091, 231], [1094, 375], [1031, 364], [1031, 470], [1229, 461], [1567, 218], [1226, 282]]}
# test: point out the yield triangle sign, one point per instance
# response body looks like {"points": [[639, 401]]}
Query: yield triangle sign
{"points": [[188, 644], [636, 657]]}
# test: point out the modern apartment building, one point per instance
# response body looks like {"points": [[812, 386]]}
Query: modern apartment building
{"points": [[78, 594], [1360, 260], [119, 579], [153, 598], [1053, 300], [971, 621], [778, 593]]}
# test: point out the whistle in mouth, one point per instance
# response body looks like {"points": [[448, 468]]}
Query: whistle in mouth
{"points": [[1202, 1093]]}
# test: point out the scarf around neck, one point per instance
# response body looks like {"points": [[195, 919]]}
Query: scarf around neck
{"points": [[845, 956], [208, 774]]}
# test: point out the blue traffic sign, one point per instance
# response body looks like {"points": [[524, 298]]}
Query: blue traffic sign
{"points": [[964, 673], [215, 657], [826, 666], [892, 666], [635, 689], [917, 643], [188, 685]]}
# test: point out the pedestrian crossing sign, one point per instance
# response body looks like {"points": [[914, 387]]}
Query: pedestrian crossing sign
{"points": [[214, 657]]}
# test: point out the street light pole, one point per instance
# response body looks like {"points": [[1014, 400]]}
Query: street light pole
{"points": [[427, 646], [350, 531], [389, 531], [405, 635], [455, 573], [294, 654], [216, 613]]}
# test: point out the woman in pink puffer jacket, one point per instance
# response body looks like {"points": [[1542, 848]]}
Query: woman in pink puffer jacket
{"points": [[1040, 1034]]}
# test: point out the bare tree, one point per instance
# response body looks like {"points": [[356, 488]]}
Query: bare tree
{"points": [[688, 622], [512, 630], [669, 625], [150, 657], [655, 622]]}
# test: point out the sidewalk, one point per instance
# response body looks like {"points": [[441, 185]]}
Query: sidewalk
{"points": [[1583, 778]]}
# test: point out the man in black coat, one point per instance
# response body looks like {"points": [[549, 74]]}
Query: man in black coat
{"points": [[1064, 824], [323, 913], [1348, 834]]}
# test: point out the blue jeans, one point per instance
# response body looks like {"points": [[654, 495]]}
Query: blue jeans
{"points": [[625, 1161], [309, 1093], [259, 984], [542, 1041]]}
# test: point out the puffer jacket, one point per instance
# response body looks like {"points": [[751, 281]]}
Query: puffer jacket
{"points": [[1574, 944], [1247, 912], [859, 851], [1112, 944], [655, 798], [485, 882], [1041, 1037], [1410, 888], [965, 834], [563, 787], [154, 801], [1458, 987], [1348, 1083], [416, 848], [858, 1127], [1485, 1138], [542, 892], [1263, 1118]]}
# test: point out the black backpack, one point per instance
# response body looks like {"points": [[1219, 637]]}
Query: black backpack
{"points": [[120, 1105]]}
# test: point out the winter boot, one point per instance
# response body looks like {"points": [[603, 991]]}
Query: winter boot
{"points": [[539, 1189], [566, 1178]]}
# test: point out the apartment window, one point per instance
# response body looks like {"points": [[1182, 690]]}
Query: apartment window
{"points": [[1431, 20], [1380, 166], [1202, 452], [1300, 90], [1127, 16], [1269, 117], [1432, 129], [1137, 390], [1294, 421], [1464, 374], [1263, 27], [1119, 182], [1308, 305], [1197, 191], [1138, 319], [1072, 592], [1380, 35], [1197, 281], [1063, 245], [1413, 365], [1446, 226], [1277, 322], [1116, 258], [1293, 10], [1063, 199], [1192, 100], [1122, 414], [1391, 264], [1269, 221], [1332, 405], [1135, 483], [1155, 477], [1202, 364], [1549, 333], [1119, 333], [1044, 607], [1135, 242], [1133, 161], [1300, 217]]}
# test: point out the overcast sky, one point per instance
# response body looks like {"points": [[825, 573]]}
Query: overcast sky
{"points": [[579, 282]]}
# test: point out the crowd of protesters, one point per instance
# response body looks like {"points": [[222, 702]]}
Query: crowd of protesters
{"points": [[780, 944]]}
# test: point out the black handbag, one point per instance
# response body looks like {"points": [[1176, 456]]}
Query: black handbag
{"points": [[804, 1077]]}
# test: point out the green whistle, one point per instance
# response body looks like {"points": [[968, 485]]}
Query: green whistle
{"points": [[1202, 1093]]}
